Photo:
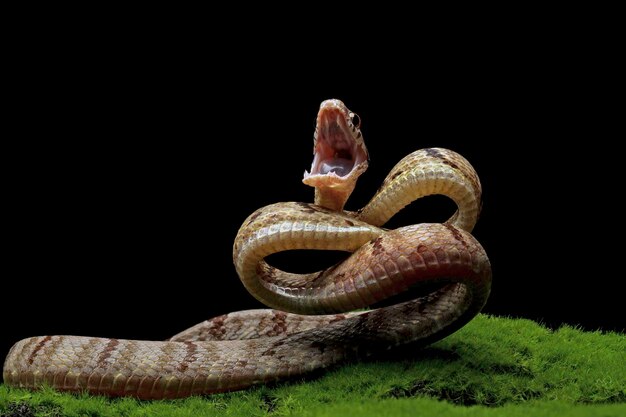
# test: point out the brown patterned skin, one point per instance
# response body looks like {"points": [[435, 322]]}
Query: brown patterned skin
{"points": [[241, 349]]}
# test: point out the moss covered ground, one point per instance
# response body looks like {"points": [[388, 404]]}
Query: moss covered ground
{"points": [[492, 367]]}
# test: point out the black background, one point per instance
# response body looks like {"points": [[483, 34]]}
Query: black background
{"points": [[131, 175]]}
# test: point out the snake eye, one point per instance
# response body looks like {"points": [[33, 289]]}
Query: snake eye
{"points": [[356, 120]]}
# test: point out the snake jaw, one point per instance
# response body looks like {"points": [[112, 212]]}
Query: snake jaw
{"points": [[340, 155]]}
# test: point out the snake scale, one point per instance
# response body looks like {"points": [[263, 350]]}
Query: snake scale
{"points": [[317, 320]]}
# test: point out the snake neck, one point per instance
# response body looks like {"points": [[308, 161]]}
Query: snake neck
{"points": [[331, 199]]}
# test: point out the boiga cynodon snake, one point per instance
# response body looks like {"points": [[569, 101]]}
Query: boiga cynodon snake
{"points": [[314, 322]]}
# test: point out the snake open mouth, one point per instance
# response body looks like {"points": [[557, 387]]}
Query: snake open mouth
{"points": [[339, 149]]}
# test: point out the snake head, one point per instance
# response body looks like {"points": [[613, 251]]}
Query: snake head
{"points": [[340, 155]]}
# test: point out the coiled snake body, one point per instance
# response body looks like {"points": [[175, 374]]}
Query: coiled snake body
{"points": [[311, 325]]}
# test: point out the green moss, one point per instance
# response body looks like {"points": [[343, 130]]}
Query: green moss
{"points": [[491, 367]]}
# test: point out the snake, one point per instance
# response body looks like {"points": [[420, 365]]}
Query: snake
{"points": [[407, 287]]}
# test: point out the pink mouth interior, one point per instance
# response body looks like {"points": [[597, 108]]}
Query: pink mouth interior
{"points": [[336, 152]]}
